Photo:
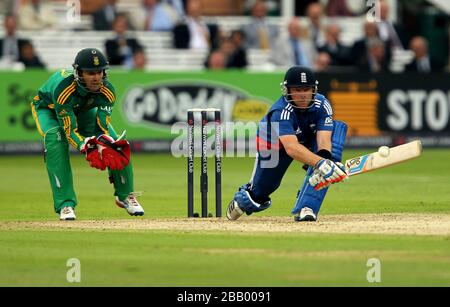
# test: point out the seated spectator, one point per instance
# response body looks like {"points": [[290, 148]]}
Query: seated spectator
{"points": [[177, 5], [139, 60], [155, 15], [121, 48], [36, 15], [360, 48], [10, 44], [376, 58], [422, 62], [322, 62], [293, 48], [314, 12], [259, 34], [193, 32], [392, 34], [103, 18], [28, 57], [238, 58], [340, 54], [216, 60], [337, 8]]}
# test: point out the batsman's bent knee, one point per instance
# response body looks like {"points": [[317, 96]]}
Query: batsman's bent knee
{"points": [[247, 204]]}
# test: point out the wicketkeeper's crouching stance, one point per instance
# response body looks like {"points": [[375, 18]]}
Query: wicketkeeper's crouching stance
{"points": [[299, 126], [74, 107]]}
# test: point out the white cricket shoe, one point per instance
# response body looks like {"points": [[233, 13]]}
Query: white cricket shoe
{"points": [[306, 215], [233, 211], [67, 214], [131, 204]]}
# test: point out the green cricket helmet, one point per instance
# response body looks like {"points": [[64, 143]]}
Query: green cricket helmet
{"points": [[89, 59], [296, 77]]}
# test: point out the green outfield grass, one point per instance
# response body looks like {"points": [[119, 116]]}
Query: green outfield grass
{"points": [[188, 258]]}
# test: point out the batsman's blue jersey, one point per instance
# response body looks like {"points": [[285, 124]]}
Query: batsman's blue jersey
{"points": [[283, 119]]}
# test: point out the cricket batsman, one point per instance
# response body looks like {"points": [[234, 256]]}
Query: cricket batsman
{"points": [[74, 107], [299, 126]]}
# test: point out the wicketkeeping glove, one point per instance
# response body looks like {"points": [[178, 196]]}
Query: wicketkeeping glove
{"points": [[114, 154], [89, 148]]}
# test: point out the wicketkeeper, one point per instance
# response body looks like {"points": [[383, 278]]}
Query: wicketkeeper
{"points": [[74, 107], [299, 126]]}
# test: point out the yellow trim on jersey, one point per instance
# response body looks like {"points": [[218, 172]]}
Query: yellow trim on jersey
{"points": [[67, 126], [51, 106], [107, 92], [75, 131], [100, 125], [33, 111], [62, 98]]}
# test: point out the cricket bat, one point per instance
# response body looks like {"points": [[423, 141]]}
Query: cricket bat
{"points": [[383, 158]]}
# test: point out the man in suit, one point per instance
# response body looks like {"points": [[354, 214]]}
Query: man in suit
{"points": [[360, 48], [293, 49], [121, 48], [392, 34], [340, 54], [10, 44], [103, 18], [259, 34], [194, 33], [422, 62]]}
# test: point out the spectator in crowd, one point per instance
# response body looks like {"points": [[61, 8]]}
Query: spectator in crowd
{"points": [[260, 34], [272, 7], [193, 32], [121, 48], [139, 60], [103, 18], [36, 15], [392, 34], [177, 5], [360, 48], [340, 54], [376, 58], [314, 12], [10, 44], [238, 58], [155, 15], [322, 62], [422, 62], [294, 48], [28, 57], [337, 8], [216, 60], [9, 7]]}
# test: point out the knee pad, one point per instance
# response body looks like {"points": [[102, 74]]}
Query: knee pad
{"points": [[338, 140], [247, 204]]}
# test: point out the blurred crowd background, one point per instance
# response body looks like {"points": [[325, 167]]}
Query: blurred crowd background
{"points": [[195, 35]]}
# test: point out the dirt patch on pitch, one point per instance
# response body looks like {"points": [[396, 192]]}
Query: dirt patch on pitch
{"points": [[405, 224]]}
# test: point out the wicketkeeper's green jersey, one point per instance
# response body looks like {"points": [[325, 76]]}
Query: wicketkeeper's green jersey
{"points": [[62, 94]]}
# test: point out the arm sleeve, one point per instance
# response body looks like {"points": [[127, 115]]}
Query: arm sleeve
{"points": [[285, 122], [103, 118], [67, 119], [325, 119], [104, 111]]}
